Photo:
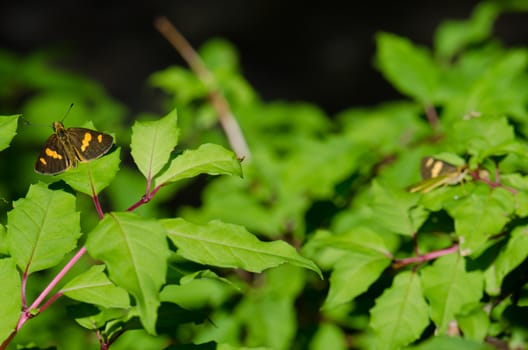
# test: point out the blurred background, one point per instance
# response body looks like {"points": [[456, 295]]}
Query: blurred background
{"points": [[319, 52]]}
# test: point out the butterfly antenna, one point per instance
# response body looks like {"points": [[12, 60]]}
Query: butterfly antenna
{"points": [[67, 112]]}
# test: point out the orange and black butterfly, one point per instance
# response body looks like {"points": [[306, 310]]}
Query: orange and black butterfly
{"points": [[436, 172], [66, 147]]}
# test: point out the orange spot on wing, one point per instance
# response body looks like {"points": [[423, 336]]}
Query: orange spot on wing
{"points": [[43, 161], [86, 141], [52, 154]]}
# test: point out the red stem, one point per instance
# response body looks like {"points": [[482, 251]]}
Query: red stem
{"points": [[425, 257]]}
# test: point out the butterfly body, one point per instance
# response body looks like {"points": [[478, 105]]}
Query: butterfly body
{"points": [[66, 147]]}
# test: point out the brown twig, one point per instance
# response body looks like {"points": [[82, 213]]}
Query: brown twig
{"points": [[225, 116]]}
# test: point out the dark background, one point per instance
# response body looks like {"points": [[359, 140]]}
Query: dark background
{"points": [[292, 50]]}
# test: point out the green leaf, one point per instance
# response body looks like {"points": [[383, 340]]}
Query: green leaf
{"points": [[135, 252], [232, 246], [152, 143], [96, 174], [180, 82], [328, 336], [480, 215], [8, 127], [397, 211], [474, 323], [401, 313], [94, 287], [409, 68], [448, 287], [42, 228], [269, 319], [207, 159], [443, 342], [508, 259], [484, 137], [352, 275], [453, 36], [10, 296]]}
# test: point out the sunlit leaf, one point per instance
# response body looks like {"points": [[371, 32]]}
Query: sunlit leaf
{"points": [[449, 287], [229, 245], [94, 287], [401, 312], [42, 228], [135, 252], [409, 68], [10, 296], [152, 143], [207, 159]]}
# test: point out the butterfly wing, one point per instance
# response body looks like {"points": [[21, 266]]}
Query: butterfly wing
{"points": [[53, 158], [89, 144]]}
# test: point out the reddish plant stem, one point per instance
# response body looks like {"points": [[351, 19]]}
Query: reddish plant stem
{"points": [[24, 285], [476, 176], [145, 199], [425, 257], [57, 279], [432, 116]]}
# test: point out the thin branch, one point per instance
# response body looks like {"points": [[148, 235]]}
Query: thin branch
{"points": [[424, 257], [227, 119]]}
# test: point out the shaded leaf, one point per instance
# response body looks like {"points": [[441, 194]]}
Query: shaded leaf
{"points": [[8, 127], [508, 259], [352, 275], [97, 173]]}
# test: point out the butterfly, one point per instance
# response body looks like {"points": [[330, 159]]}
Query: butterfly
{"points": [[436, 172], [66, 147]]}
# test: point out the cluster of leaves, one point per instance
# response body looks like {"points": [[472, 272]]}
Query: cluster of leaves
{"points": [[445, 269]]}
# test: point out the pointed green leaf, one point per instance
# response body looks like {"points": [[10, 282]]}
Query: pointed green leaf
{"points": [[232, 246], [328, 336], [207, 159], [448, 287], [152, 143], [509, 258], [10, 296], [352, 275], [443, 342], [94, 287], [97, 173], [452, 36], [484, 137], [397, 211], [135, 252], [409, 68], [42, 228], [8, 126], [401, 313], [480, 215], [474, 322]]}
